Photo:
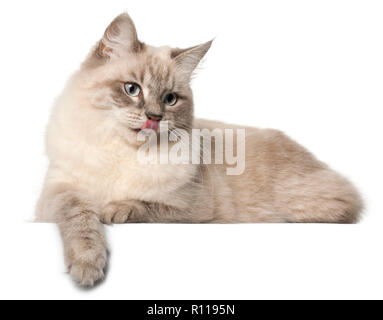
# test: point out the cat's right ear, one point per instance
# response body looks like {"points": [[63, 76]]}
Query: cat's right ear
{"points": [[187, 60], [119, 39]]}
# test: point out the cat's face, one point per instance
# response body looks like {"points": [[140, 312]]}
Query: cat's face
{"points": [[138, 85]]}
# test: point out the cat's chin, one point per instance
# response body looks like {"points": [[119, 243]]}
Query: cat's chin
{"points": [[132, 137]]}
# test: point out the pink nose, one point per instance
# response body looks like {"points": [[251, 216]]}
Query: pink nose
{"points": [[153, 116]]}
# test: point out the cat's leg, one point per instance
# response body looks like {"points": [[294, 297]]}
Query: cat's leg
{"points": [[119, 212], [134, 211], [84, 246], [82, 233], [322, 196]]}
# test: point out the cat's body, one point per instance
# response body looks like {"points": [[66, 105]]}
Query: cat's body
{"points": [[95, 176]]}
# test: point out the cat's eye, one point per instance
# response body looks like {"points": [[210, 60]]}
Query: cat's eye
{"points": [[170, 99], [132, 89]]}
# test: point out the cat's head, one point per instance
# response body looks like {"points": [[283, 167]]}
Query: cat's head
{"points": [[132, 82]]}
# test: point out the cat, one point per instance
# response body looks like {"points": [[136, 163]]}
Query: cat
{"points": [[94, 177]]}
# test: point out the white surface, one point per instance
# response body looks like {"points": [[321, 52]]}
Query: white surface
{"points": [[311, 68]]}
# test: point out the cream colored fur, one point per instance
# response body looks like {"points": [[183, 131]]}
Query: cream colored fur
{"points": [[94, 175]]}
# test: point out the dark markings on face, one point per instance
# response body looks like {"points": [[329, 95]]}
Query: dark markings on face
{"points": [[119, 95], [142, 75], [182, 114], [142, 103], [134, 76], [156, 78]]}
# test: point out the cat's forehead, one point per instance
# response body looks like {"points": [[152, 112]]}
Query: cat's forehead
{"points": [[153, 64], [153, 68], [163, 53]]}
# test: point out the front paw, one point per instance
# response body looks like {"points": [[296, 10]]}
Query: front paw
{"points": [[122, 212], [88, 268]]}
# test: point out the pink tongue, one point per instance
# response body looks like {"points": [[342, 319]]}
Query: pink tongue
{"points": [[150, 124]]}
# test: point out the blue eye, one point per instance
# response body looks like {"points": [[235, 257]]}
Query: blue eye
{"points": [[132, 89], [170, 99]]}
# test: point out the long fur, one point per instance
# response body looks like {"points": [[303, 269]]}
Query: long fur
{"points": [[94, 175]]}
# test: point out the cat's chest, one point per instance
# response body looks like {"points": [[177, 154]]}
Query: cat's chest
{"points": [[120, 176]]}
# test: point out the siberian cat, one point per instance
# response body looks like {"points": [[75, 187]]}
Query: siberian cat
{"points": [[125, 86]]}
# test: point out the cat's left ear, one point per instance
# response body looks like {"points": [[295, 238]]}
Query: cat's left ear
{"points": [[187, 60], [119, 38]]}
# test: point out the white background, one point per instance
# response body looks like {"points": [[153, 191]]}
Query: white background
{"points": [[311, 68]]}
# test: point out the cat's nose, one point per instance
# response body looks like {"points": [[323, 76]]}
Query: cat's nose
{"points": [[153, 116]]}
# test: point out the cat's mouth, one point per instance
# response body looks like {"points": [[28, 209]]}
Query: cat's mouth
{"points": [[149, 124]]}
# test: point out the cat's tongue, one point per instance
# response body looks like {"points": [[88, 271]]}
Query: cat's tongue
{"points": [[150, 124]]}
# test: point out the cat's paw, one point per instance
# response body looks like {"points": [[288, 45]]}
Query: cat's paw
{"points": [[122, 212], [88, 269]]}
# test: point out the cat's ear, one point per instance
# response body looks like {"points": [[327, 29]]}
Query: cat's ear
{"points": [[187, 60], [119, 38]]}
